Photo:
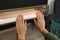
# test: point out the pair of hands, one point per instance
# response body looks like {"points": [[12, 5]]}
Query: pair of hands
{"points": [[21, 25]]}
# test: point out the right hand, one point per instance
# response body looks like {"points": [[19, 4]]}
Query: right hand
{"points": [[40, 22]]}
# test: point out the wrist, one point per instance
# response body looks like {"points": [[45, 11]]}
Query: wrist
{"points": [[21, 37], [44, 31]]}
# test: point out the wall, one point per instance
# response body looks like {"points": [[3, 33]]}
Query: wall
{"points": [[51, 6]]}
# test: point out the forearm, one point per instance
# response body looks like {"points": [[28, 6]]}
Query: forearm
{"points": [[44, 31], [48, 35]]}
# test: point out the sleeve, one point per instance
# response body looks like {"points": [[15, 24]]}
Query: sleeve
{"points": [[51, 36]]}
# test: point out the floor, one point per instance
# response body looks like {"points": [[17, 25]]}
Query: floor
{"points": [[32, 34]]}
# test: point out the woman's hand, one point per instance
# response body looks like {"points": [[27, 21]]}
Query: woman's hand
{"points": [[40, 22], [21, 27]]}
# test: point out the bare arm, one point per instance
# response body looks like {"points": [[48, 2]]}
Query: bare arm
{"points": [[40, 25]]}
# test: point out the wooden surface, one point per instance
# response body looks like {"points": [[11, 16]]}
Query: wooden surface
{"points": [[10, 16], [9, 13], [32, 34]]}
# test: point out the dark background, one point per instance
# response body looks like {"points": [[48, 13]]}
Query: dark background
{"points": [[57, 9], [7, 4]]}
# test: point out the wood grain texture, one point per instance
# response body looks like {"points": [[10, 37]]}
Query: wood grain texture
{"points": [[9, 13]]}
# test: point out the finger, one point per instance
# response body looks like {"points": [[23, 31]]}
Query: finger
{"points": [[19, 19], [22, 19], [41, 16], [35, 21], [26, 23], [37, 14]]}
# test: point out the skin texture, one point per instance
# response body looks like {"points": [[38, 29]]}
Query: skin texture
{"points": [[21, 26], [40, 23]]}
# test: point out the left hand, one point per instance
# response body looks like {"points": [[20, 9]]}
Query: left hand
{"points": [[21, 26]]}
